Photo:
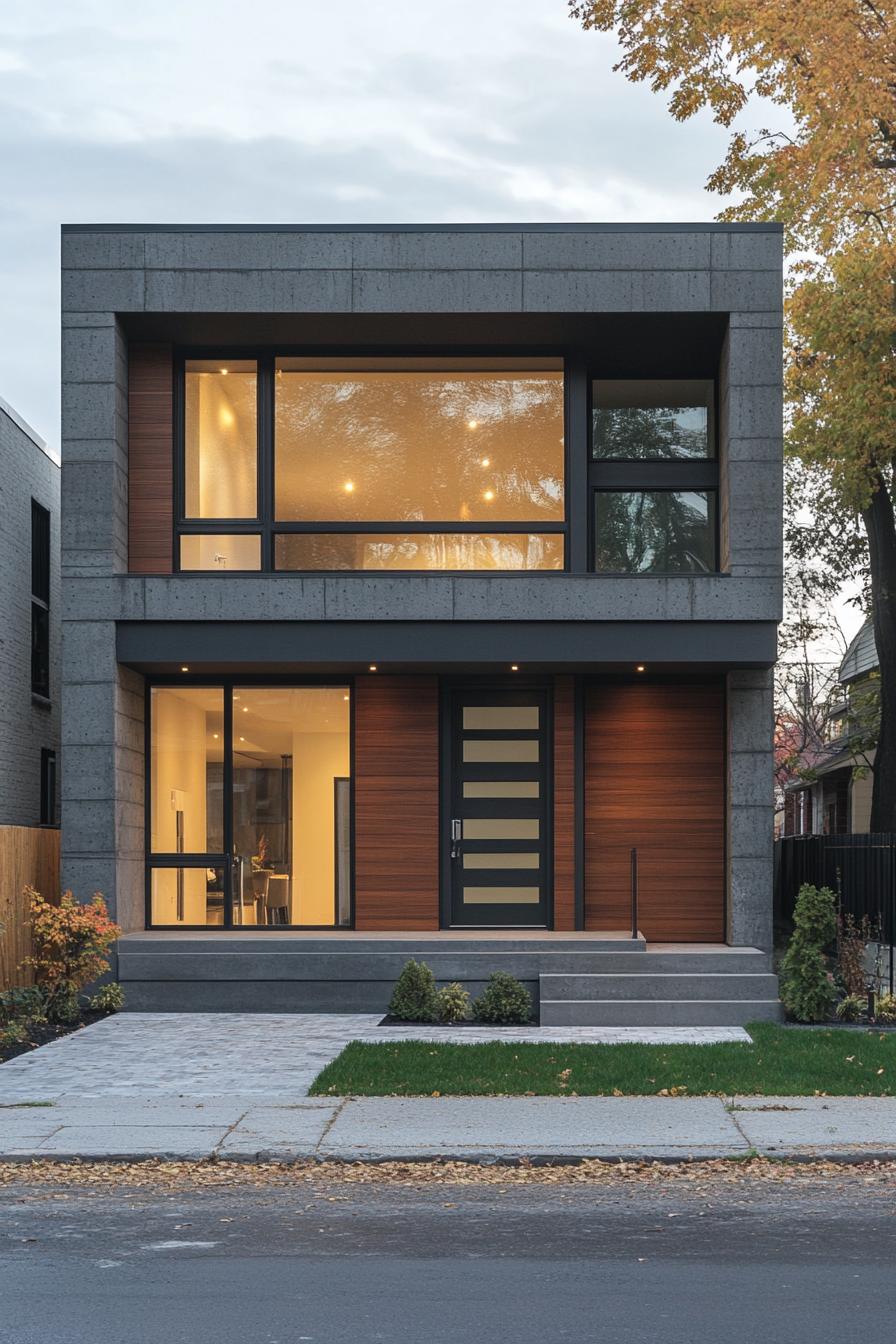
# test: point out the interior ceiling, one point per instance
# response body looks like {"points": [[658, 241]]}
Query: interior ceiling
{"points": [[646, 345]]}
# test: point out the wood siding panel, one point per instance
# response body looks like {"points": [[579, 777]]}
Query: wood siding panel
{"points": [[150, 459], [564, 804], [29, 857], [655, 779], [397, 803]]}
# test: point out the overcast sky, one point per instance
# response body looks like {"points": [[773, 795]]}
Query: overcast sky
{"points": [[292, 111]]}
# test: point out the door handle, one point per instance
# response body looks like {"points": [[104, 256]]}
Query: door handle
{"points": [[457, 831]]}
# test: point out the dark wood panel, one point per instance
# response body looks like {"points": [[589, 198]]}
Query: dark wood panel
{"points": [[397, 803], [655, 779], [150, 458], [564, 804]]}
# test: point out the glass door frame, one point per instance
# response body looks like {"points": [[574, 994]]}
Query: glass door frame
{"points": [[227, 682], [450, 689]]}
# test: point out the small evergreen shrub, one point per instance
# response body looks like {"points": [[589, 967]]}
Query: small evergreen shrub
{"points": [[504, 1000], [414, 996], [23, 1003], [851, 1008], [108, 999], [885, 1010], [453, 1003], [807, 988]]}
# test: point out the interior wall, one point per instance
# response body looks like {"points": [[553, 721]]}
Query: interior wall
{"points": [[318, 760], [179, 769]]}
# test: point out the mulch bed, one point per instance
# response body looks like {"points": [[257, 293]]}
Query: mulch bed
{"points": [[41, 1033]]}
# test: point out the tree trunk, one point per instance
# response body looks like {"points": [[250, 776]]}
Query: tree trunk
{"points": [[881, 528]]}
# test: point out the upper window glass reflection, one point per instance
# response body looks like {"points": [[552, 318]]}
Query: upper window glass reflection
{"points": [[447, 440], [656, 420], [220, 458]]}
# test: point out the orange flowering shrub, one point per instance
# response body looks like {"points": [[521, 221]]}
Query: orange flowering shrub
{"points": [[70, 942]]}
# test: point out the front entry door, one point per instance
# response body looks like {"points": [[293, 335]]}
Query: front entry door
{"points": [[497, 828]]}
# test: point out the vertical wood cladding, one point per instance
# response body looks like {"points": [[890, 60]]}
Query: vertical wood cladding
{"points": [[396, 803], [564, 804], [655, 779], [150, 458]]}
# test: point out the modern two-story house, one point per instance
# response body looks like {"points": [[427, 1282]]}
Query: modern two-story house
{"points": [[420, 598]]}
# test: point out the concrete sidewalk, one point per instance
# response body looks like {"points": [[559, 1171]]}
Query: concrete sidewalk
{"points": [[479, 1129]]}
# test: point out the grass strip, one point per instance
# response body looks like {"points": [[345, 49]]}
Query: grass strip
{"points": [[779, 1062]]}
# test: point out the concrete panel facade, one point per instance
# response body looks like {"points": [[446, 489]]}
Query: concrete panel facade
{"points": [[120, 280]]}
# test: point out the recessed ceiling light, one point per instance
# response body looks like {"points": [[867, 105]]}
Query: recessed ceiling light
{"points": [[349, 487], [215, 736], [225, 370], [472, 424], [345, 697], [372, 667], [184, 668], [245, 709], [488, 495], [639, 667], [514, 667], [486, 462]]}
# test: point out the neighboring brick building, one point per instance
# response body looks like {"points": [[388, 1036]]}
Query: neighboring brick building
{"points": [[30, 625]]}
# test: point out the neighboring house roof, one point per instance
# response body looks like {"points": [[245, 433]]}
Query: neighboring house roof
{"points": [[861, 656], [12, 414]]}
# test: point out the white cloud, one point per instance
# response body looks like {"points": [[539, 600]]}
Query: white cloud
{"points": [[403, 110]]}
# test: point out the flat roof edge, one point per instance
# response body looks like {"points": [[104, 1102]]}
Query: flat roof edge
{"points": [[704, 227], [11, 413]]}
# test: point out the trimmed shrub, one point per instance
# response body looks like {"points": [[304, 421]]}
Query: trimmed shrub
{"points": [[414, 996], [851, 1008], [108, 999], [504, 1000], [885, 1009], [807, 988], [453, 1003], [70, 942]]}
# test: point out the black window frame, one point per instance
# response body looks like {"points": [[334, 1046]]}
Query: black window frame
{"points": [[48, 787], [672, 475], [224, 858], [266, 525], [41, 524]]}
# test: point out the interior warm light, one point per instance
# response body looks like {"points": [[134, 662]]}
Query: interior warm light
{"points": [[345, 697], [225, 370], [640, 667], [488, 495], [245, 709], [486, 462], [514, 667], [184, 668], [242, 739], [372, 667], [226, 417], [349, 487], [472, 424]]}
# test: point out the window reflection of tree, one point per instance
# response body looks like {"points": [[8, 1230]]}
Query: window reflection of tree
{"points": [[658, 530]]}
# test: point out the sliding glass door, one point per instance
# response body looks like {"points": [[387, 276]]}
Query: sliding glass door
{"points": [[249, 815]]}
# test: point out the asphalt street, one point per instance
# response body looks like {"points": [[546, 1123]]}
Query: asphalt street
{"points": [[329, 1261]]}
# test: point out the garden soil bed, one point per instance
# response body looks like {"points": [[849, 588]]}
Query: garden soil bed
{"points": [[41, 1033]]}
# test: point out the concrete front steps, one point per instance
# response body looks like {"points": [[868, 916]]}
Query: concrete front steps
{"points": [[577, 979], [664, 989]]}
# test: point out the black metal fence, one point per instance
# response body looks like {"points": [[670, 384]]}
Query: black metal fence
{"points": [[860, 868]]}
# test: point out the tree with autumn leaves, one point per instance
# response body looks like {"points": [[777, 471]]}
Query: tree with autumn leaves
{"points": [[827, 72]]}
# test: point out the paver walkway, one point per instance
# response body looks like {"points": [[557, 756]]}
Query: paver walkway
{"points": [[234, 1086], [251, 1054]]}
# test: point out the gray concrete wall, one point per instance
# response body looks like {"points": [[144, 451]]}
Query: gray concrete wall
{"points": [[111, 277], [750, 807], [27, 724]]}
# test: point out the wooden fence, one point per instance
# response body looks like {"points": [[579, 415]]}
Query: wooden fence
{"points": [[29, 857]]}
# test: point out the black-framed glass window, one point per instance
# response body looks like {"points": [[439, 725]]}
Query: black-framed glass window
{"points": [[40, 600], [437, 463], [249, 819], [653, 476]]}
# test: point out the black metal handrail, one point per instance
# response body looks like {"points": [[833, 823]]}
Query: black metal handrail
{"points": [[634, 883]]}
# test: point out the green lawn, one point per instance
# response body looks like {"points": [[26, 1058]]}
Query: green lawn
{"points": [[780, 1062]]}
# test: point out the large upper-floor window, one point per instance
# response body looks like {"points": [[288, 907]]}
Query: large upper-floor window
{"points": [[653, 476], [446, 463]]}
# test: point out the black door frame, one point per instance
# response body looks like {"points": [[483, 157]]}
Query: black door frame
{"points": [[448, 688]]}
